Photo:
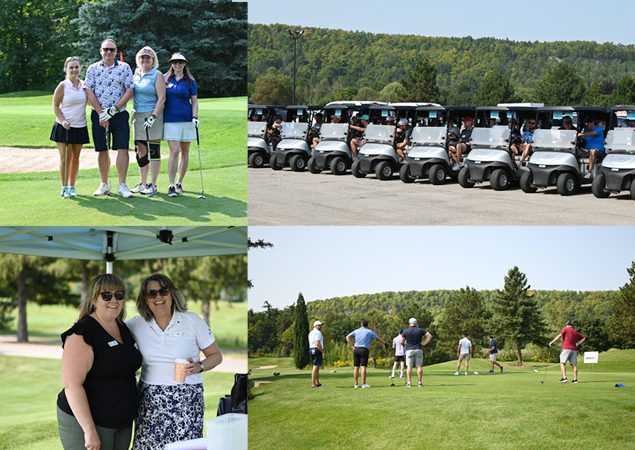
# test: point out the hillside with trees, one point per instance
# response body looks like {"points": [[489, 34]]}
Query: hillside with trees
{"points": [[337, 64]]}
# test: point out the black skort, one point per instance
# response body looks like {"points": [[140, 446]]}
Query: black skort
{"points": [[71, 136]]}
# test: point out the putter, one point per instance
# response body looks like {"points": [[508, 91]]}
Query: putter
{"points": [[200, 168], [544, 375]]}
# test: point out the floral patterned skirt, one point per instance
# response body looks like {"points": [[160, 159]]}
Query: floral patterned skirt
{"points": [[168, 414]]}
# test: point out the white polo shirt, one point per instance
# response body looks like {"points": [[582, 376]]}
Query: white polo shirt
{"points": [[465, 346], [184, 337], [314, 336]]}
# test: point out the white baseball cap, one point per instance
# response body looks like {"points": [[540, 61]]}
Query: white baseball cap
{"points": [[316, 323], [412, 320]]}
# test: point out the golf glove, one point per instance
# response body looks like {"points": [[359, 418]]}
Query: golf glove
{"points": [[195, 121], [149, 121], [107, 114]]}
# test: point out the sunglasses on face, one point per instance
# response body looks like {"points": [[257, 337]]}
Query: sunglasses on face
{"points": [[178, 62], [109, 49], [107, 295], [152, 293]]}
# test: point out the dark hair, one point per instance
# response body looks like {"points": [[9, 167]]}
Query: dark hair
{"points": [[464, 334], [178, 301], [400, 331], [364, 323]]}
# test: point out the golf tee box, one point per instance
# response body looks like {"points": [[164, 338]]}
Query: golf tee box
{"points": [[226, 432]]}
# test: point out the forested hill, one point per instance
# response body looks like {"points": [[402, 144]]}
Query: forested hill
{"points": [[333, 63]]}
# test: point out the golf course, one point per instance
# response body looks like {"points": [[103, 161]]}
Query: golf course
{"points": [[33, 197], [513, 410]]}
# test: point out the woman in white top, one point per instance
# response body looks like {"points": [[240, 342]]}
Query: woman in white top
{"points": [[169, 410], [69, 130]]}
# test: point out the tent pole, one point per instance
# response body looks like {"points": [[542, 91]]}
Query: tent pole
{"points": [[109, 267]]}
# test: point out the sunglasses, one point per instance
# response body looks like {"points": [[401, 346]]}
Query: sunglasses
{"points": [[107, 295], [109, 49], [178, 62], [152, 293]]}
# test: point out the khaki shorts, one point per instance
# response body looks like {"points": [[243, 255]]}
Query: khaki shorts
{"points": [[414, 358], [155, 132], [463, 356], [492, 357]]}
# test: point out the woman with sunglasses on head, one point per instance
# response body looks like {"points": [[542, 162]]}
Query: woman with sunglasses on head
{"points": [[170, 410], [96, 408], [180, 118]]}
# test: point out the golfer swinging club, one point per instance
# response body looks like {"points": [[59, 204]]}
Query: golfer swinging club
{"points": [[570, 341], [108, 88]]}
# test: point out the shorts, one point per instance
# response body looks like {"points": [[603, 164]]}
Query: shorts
{"points": [[400, 358], [155, 132], [360, 356], [492, 357], [316, 356], [414, 358], [72, 136], [569, 355], [586, 152], [463, 356], [179, 131], [119, 129]]}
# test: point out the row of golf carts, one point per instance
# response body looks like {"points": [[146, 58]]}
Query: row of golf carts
{"points": [[557, 158]]}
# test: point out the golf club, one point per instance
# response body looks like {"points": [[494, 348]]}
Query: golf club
{"points": [[544, 375], [65, 182], [108, 153], [149, 154], [200, 168]]}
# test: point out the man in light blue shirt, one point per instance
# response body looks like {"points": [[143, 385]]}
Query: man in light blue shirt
{"points": [[363, 338]]}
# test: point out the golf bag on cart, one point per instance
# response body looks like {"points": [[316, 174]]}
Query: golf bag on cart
{"points": [[237, 401]]}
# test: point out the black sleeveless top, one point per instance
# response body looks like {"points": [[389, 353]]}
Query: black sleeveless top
{"points": [[110, 383]]}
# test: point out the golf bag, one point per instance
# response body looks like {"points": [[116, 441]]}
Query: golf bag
{"points": [[237, 401]]}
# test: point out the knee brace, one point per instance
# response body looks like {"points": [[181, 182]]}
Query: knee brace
{"points": [[155, 151], [142, 161]]}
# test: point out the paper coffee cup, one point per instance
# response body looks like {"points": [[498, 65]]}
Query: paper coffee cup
{"points": [[179, 369]]}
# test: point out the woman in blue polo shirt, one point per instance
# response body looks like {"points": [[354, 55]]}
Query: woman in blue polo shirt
{"points": [[180, 118]]}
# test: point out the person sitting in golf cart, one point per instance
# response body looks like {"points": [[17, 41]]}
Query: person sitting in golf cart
{"points": [[463, 146], [402, 137], [357, 133], [593, 135], [567, 123], [528, 138], [515, 138], [272, 135], [314, 132]]}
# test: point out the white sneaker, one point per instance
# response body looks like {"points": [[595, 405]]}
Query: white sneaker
{"points": [[392, 375], [588, 176], [151, 189], [456, 373], [72, 192], [420, 385], [124, 191], [138, 188], [456, 167], [356, 386], [66, 192], [103, 189], [179, 188], [365, 386], [62, 191], [465, 373], [408, 385], [401, 375]]}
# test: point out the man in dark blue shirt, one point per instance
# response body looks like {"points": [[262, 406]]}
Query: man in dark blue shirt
{"points": [[493, 353]]}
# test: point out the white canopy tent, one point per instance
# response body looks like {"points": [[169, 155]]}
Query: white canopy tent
{"points": [[113, 243]]}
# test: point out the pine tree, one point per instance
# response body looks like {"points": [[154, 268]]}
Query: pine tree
{"points": [[561, 86], [301, 333], [421, 83], [495, 88], [621, 325], [517, 317], [466, 313]]}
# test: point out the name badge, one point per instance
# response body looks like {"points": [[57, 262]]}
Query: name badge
{"points": [[175, 334], [113, 343]]}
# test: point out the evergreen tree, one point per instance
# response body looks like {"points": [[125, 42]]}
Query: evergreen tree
{"points": [[517, 318], [465, 313], [594, 96], [301, 332], [495, 88], [393, 92], [420, 83], [273, 89], [560, 86], [624, 93], [621, 324]]}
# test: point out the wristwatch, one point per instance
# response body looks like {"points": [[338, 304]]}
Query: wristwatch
{"points": [[201, 366]]}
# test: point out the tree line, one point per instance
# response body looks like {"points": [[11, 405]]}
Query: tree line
{"points": [[36, 36], [346, 65], [522, 319], [42, 280]]}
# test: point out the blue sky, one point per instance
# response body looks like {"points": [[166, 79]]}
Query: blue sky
{"points": [[537, 20], [324, 262]]}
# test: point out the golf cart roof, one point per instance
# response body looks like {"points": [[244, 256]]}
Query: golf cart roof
{"points": [[624, 108], [465, 108], [556, 108], [492, 108], [431, 108], [297, 107], [382, 107], [258, 106], [522, 105], [335, 105], [596, 109]]}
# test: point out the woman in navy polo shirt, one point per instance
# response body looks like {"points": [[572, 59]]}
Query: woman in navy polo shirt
{"points": [[180, 118], [169, 410]]}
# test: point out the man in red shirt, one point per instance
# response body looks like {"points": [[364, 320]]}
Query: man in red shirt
{"points": [[570, 341]]}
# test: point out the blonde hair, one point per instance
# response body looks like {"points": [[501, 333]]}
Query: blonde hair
{"points": [[71, 59], [137, 58], [97, 285], [178, 300]]}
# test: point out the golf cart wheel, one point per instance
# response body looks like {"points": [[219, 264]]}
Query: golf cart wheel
{"points": [[312, 166], [500, 180], [256, 160], [566, 184], [273, 163], [404, 174], [437, 174], [527, 182], [297, 163], [338, 166], [464, 178], [633, 188], [599, 187], [383, 170], [356, 170]]}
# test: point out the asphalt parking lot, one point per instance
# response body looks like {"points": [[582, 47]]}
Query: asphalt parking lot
{"points": [[301, 198]]}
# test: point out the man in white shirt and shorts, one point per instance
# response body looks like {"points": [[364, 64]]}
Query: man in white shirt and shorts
{"points": [[464, 351], [316, 351]]}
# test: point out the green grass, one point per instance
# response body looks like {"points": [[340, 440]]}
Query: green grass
{"points": [[45, 323], [511, 411], [26, 120], [29, 393]]}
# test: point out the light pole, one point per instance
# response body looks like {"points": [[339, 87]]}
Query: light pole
{"points": [[295, 35]]}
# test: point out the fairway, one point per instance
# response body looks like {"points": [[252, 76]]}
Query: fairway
{"points": [[26, 120], [511, 411]]}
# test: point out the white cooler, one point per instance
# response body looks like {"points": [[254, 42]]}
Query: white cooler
{"points": [[226, 432]]}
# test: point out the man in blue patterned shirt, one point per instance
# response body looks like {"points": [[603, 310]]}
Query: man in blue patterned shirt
{"points": [[108, 88]]}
